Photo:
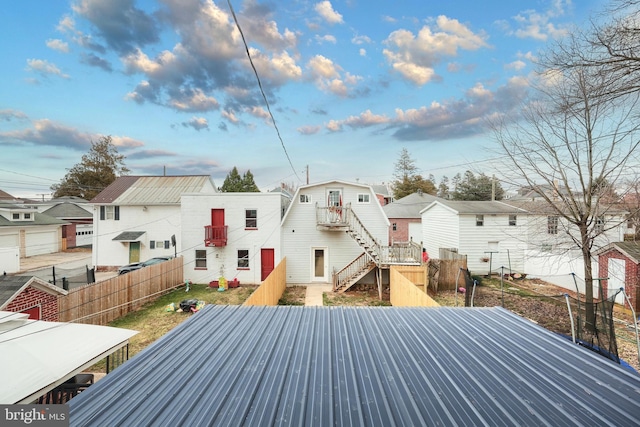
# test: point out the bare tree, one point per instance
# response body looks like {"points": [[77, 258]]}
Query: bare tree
{"points": [[572, 135]]}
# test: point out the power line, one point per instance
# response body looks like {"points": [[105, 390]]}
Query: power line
{"points": [[264, 96]]}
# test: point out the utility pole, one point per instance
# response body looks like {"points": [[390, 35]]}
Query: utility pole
{"points": [[307, 174]]}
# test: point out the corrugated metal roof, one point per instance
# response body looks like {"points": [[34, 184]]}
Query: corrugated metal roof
{"points": [[378, 366], [151, 190]]}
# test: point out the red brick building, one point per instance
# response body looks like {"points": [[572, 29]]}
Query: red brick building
{"points": [[404, 216], [24, 294], [618, 262]]}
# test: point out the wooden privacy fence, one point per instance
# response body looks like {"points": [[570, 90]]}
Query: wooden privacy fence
{"points": [[443, 273], [102, 302], [271, 290], [417, 274], [405, 294]]}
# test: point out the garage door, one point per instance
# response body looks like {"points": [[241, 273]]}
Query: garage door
{"points": [[9, 240], [39, 243]]}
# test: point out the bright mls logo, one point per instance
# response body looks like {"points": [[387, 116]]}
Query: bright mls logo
{"points": [[34, 415]]}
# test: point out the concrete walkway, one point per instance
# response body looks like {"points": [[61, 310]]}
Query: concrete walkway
{"points": [[314, 294]]}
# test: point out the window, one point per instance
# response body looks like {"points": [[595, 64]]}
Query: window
{"points": [[395, 227], [201, 258], [251, 218], [243, 258], [152, 244], [363, 198], [15, 216], [167, 244], [629, 221], [305, 198], [110, 212], [552, 225], [513, 220], [479, 220], [27, 216], [599, 228]]}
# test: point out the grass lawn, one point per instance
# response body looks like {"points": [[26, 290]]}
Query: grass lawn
{"points": [[153, 320]]}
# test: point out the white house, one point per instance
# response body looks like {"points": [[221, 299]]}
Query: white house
{"points": [[231, 235], [138, 217], [489, 233], [331, 225]]}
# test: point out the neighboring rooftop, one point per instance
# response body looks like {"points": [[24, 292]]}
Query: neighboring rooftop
{"points": [[68, 210], [152, 190], [409, 206], [364, 366], [480, 207]]}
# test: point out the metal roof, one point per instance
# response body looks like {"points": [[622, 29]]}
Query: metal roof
{"points": [[36, 356], [377, 366], [479, 207], [152, 190]]}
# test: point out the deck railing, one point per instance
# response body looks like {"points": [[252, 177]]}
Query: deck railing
{"points": [[333, 216], [344, 276], [215, 235], [401, 253]]}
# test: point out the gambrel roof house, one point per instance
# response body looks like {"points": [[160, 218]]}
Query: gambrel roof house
{"points": [[336, 232], [404, 216], [136, 217], [489, 233], [231, 235]]}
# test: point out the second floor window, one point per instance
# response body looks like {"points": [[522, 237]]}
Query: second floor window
{"points": [[513, 219], [305, 198], [363, 198], [552, 225], [479, 220], [251, 218], [599, 228], [110, 212]]}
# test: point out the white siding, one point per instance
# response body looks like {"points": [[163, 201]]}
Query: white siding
{"points": [[440, 229], [222, 261], [299, 233], [158, 222], [41, 242]]}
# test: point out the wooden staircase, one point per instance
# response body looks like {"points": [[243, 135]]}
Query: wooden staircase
{"points": [[364, 263]]}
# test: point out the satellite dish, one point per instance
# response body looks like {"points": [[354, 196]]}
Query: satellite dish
{"points": [[173, 240]]}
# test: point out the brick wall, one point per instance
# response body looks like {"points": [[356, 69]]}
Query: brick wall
{"points": [[31, 297], [401, 234], [631, 279]]}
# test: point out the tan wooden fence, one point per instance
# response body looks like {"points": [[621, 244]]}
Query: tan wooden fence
{"points": [[271, 290], [102, 302], [417, 274], [443, 273], [405, 294]]}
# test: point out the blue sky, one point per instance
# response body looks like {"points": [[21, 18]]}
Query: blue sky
{"points": [[349, 83]]}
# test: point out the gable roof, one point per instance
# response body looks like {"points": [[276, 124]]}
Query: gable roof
{"points": [[68, 210], [629, 249], [12, 286], [365, 366], [409, 206], [151, 190], [39, 218], [471, 207]]}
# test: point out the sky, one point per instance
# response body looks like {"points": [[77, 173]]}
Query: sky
{"points": [[348, 84]]}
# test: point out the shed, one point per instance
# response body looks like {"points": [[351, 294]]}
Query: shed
{"points": [[364, 366], [31, 295], [618, 262]]}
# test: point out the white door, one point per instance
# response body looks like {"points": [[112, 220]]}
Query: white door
{"points": [[334, 203], [319, 265], [616, 278]]}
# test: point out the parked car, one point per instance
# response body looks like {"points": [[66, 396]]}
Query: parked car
{"points": [[138, 265]]}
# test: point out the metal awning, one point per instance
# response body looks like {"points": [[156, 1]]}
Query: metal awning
{"points": [[129, 236], [36, 356]]}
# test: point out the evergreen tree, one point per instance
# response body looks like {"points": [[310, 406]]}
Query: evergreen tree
{"points": [[97, 169], [407, 180], [234, 183], [470, 187]]}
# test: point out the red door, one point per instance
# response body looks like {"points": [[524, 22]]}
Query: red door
{"points": [[217, 217], [33, 312], [267, 257]]}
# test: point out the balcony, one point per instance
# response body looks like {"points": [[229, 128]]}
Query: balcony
{"points": [[215, 235], [334, 218]]}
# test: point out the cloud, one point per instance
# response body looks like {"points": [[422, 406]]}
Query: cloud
{"points": [[358, 40], [326, 12], [57, 44], [328, 77], [119, 23], [257, 27], [326, 38], [197, 123], [516, 65], [415, 56], [538, 25], [146, 154], [362, 52], [308, 130], [45, 132], [193, 100], [95, 61], [10, 115], [181, 167], [443, 120], [44, 68]]}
